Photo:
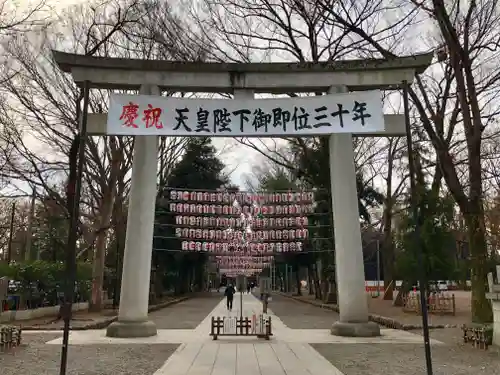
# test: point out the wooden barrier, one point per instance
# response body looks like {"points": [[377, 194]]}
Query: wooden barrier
{"points": [[10, 337], [237, 326], [477, 335], [437, 303]]}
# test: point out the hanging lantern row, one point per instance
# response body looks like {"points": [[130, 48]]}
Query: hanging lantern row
{"points": [[243, 266], [242, 198], [244, 257], [244, 263], [212, 209], [204, 221], [240, 235], [248, 249], [245, 253], [235, 273], [238, 270]]}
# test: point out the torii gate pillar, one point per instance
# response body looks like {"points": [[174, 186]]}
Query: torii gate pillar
{"points": [[349, 264], [134, 295]]}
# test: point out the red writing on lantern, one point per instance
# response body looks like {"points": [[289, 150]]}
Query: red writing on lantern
{"points": [[152, 117], [129, 115]]}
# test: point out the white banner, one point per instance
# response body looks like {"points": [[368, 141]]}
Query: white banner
{"points": [[229, 325], [354, 112]]}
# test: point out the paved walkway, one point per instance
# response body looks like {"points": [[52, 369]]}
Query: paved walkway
{"points": [[192, 311], [288, 353]]}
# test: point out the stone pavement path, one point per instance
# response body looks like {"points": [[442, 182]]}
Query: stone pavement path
{"points": [[302, 315], [186, 314], [288, 353]]}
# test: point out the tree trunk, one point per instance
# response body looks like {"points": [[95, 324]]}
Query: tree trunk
{"points": [[324, 288], [403, 291], [331, 296], [388, 260], [310, 280], [120, 229], [96, 302], [473, 210], [199, 277], [158, 280], [99, 261], [109, 189], [297, 281], [317, 288], [480, 305]]}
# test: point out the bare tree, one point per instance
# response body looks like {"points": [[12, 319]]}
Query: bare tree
{"points": [[15, 19], [453, 103], [456, 100], [290, 30], [14, 212], [39, 115], [394, 185]]}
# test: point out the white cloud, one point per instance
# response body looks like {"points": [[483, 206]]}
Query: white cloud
{"points": [[238, 158]]}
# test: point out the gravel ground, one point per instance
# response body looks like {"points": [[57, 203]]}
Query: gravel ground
{"points": [[80, 319], [452, 336], [300, 315], [187, 314], [407, 359], [34, 357], [462, 311], [453, 358]]}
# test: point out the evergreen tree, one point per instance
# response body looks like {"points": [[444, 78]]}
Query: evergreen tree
{"points": [[313, 168], [50, 231], [199, 168], [437, 242]]}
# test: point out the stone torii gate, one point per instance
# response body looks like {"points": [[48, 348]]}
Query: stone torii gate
{"points": [[243, 81]]}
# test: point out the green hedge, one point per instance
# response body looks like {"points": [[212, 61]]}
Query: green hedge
{"points": [[49, 278]]}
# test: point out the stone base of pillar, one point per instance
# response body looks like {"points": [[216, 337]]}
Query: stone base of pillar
{"points": [[367, 329], [123, 329]]}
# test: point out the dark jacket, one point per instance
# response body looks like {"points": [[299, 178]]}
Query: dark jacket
{"points": [[229, 292]]}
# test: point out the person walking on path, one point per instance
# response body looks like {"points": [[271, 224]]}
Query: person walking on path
{"points": [[229, 294]]}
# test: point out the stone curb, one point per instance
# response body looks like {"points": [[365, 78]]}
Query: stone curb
{"points": [[382, 320], [106, 322]]}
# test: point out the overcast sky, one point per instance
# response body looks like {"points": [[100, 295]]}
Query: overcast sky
{"points": [[238, 158]]}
